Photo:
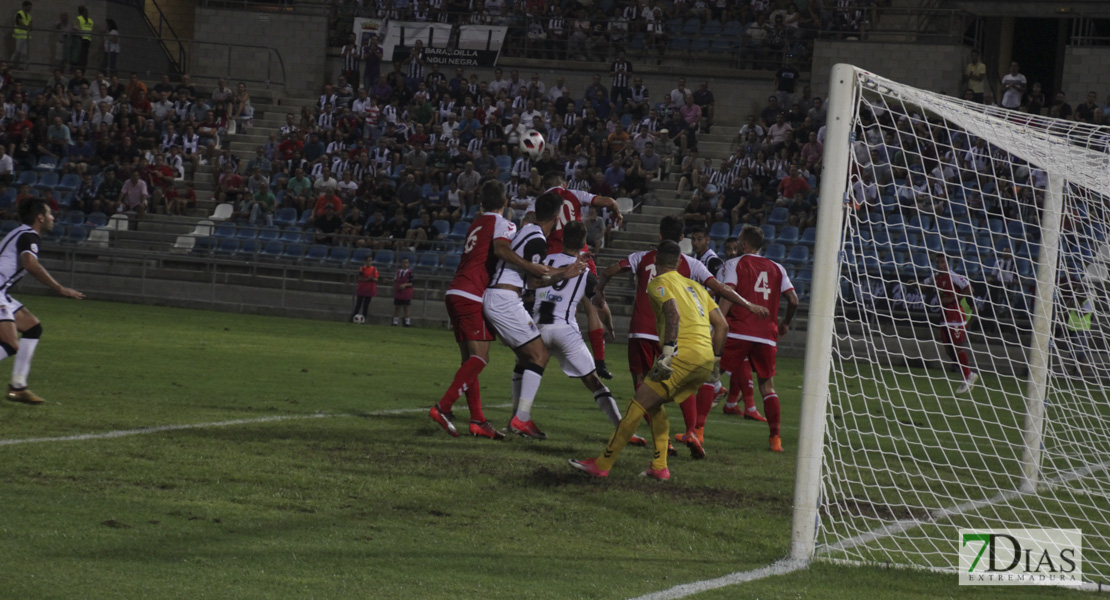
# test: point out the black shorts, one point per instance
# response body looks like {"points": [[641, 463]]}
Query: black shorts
{"points": [[399, 302]]}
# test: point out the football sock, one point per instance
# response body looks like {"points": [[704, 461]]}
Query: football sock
{"points": [[689, 408], [772, 412], [608, 405], [23, 357], [467, 373], [597, 343], [660, 432], [396, 321], [705, 404], [734, 388], [961, 355], [529, 385], [474, 401], [518, 377], [628, 426], [748, 389]]}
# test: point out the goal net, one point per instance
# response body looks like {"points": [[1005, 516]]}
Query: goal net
{"points": [[926, 433]]}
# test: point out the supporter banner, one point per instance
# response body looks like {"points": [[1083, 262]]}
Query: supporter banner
{"points": [[367, 29], [405, 33], [482, 37], [445, 57]]}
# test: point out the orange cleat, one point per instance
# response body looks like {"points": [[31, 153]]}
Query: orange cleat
{"points": [[484, 429], [776, 443], [753, 415], [444, 418]]}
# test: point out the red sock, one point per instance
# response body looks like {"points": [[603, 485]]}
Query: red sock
{"points": [[474, 401], [690, 413], [705, 403], [597, 343], [749, 386], [467, 374], [772, 412], [962, 356], [734, 383]]}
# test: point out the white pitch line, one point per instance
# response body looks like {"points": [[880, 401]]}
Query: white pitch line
{"points": [[781, 567]]}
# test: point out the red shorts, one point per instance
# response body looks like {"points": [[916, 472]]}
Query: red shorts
{"points": [[467, 320], [760, 356], [953, 334], [642, 354]]}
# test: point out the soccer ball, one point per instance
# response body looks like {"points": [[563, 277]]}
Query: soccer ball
{"points": [[532, 143], [358, 320]]}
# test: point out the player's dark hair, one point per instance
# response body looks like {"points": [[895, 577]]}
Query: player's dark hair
{"points": [[553, 179], [670, 228], [752, 237], [667, 253], [493, 196], [31, 209], [696, 229], [731, 240], [574, 234], [547, 206]]}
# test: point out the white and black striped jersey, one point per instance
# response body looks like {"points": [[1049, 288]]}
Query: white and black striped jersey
{"points": [[21, 239], [711, 261], [558, 304], [620, 70], [529, 244]]}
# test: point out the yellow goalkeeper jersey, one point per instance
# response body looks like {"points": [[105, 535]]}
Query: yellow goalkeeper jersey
{"points": [[695, 342]]}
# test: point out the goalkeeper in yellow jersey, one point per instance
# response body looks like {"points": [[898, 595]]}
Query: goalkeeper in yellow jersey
{"points": [[691, 356]]}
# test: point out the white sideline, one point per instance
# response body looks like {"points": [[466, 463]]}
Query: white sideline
{"points": [[781, 567]]}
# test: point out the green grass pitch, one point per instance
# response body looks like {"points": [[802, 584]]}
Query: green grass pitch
{"points": [[371, 499]]}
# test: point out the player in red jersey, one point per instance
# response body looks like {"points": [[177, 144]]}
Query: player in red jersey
{"points": [[643, 340], [953, 331], [762, 282], [573, 203], [487, 241], [744, 377]]}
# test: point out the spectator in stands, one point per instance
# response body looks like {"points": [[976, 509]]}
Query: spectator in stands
{"points": [[1034, 100], [974, 74], [786, 81], [1089, 111], [326, 199], [134, 195], [698, 212], [1013, 87], [328, 224]]}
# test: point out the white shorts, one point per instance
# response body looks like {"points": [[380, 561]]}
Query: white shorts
{"points": [[505, 311], [565, 343], [8, 307]]}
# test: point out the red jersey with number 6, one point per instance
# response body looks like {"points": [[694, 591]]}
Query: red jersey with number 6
{"points": [[478, 260], [762, 282], [573, 200], [642, 264]]}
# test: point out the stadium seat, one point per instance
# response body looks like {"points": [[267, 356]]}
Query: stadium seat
{"points": [[952, 247], [809, 237], [316, 253], [471, 213], [202, 245], [428, 262], [458, 232], [686, 246], [804, 276], [946, 227], [443, 227], [1016, 229], [97, 219], [412, 256], [678, 44], [996, 226], [224, 230], [691, 27], [204, 228], [227, 247], [27, 177], [383, 259], [247, 248], [775, 252], [451, 262], [778, 216], [711, 28], [118, 223], [339, 255], [184, 244], [306, 216], [47, 163], [788, 236], [47, 181], [504, 162], [74, 217], [76, 234], [8, 198], [98, 238], [223, 212], [799, 255], [286, 217], [247, 232], [718, 231], [292, 235], [269, 233], [700, 45], [802, 290], [626, 205], [293, 252], [69, 183], [272, 249], [359, 256], [768, 232]]}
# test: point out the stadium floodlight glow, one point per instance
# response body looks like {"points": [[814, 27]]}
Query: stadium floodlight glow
{"points": [[894, 458]]}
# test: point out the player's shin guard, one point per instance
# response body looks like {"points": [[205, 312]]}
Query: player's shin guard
{"points": [[690, 413], [772, 411], [466, 374], [705, 404], [605, 401], [628, 426], [23, 357], [597, 343], [530, 380], [660, 432]]}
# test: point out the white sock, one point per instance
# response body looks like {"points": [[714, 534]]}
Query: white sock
{"points": [[23, 362], [529, 385], [396, 320], [608, 405]]}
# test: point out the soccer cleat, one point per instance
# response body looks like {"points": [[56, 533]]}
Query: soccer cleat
{"points": [[484, 429], [776, 443], [526, 429], [719, 397], [968, 383], [24, 395], [636, 440], [752, 414], [602, 370], [697, 452], [733, 409], [444, 418], [660, 474], [698, 432], [589, 466], [670, 450]]}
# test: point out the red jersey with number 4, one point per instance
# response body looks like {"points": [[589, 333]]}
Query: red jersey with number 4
{"points": [[478, 260], [573, 200], [762, 282], [955, 285], [642, 264]]}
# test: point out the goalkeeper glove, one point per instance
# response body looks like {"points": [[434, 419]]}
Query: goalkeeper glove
{"points": [[715, 376], [661, 370]]}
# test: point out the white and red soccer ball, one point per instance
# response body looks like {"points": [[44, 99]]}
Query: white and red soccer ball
{"points": [[532, 143]]}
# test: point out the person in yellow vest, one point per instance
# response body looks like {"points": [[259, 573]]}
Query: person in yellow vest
{"points": [[1080, 310], [84, 29], [21, 34]]}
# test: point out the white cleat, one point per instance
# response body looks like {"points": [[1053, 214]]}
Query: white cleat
{"points": [[968, 383]]}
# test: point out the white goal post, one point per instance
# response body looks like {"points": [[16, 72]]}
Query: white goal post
{"points": [[908, 432]]}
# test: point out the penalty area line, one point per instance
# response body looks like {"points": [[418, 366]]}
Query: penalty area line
{"points": [[781, 567], [212, 425]]}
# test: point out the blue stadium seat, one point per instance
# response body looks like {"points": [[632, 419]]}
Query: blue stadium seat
{"points": [[247, 232], [76, 234], [718, 231], [804, 276], [70, 182], [202, 246], [471, 213], [47, 163], [224, 230], [428, 262], [802, 290], [952, 247], [412, 256], [269, 233], [27, 177], [768, 232], [286, 217], [97, 219], [788, 236], [504, 162], [305, 216], [293, 252], [247, 249], [778, 216], [339, 255], [47, 181], [775, 252], [316, 253], [8, 198], [359, 256], [458, 232], [227, 246], [74, 217], [678, 44], [451, 262], [700, 45], [272, 249], [711, 28], [443, 227], [799, 255], [292, 235], [383, 259], [946, 227], [691, 27], [809, 236]]}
